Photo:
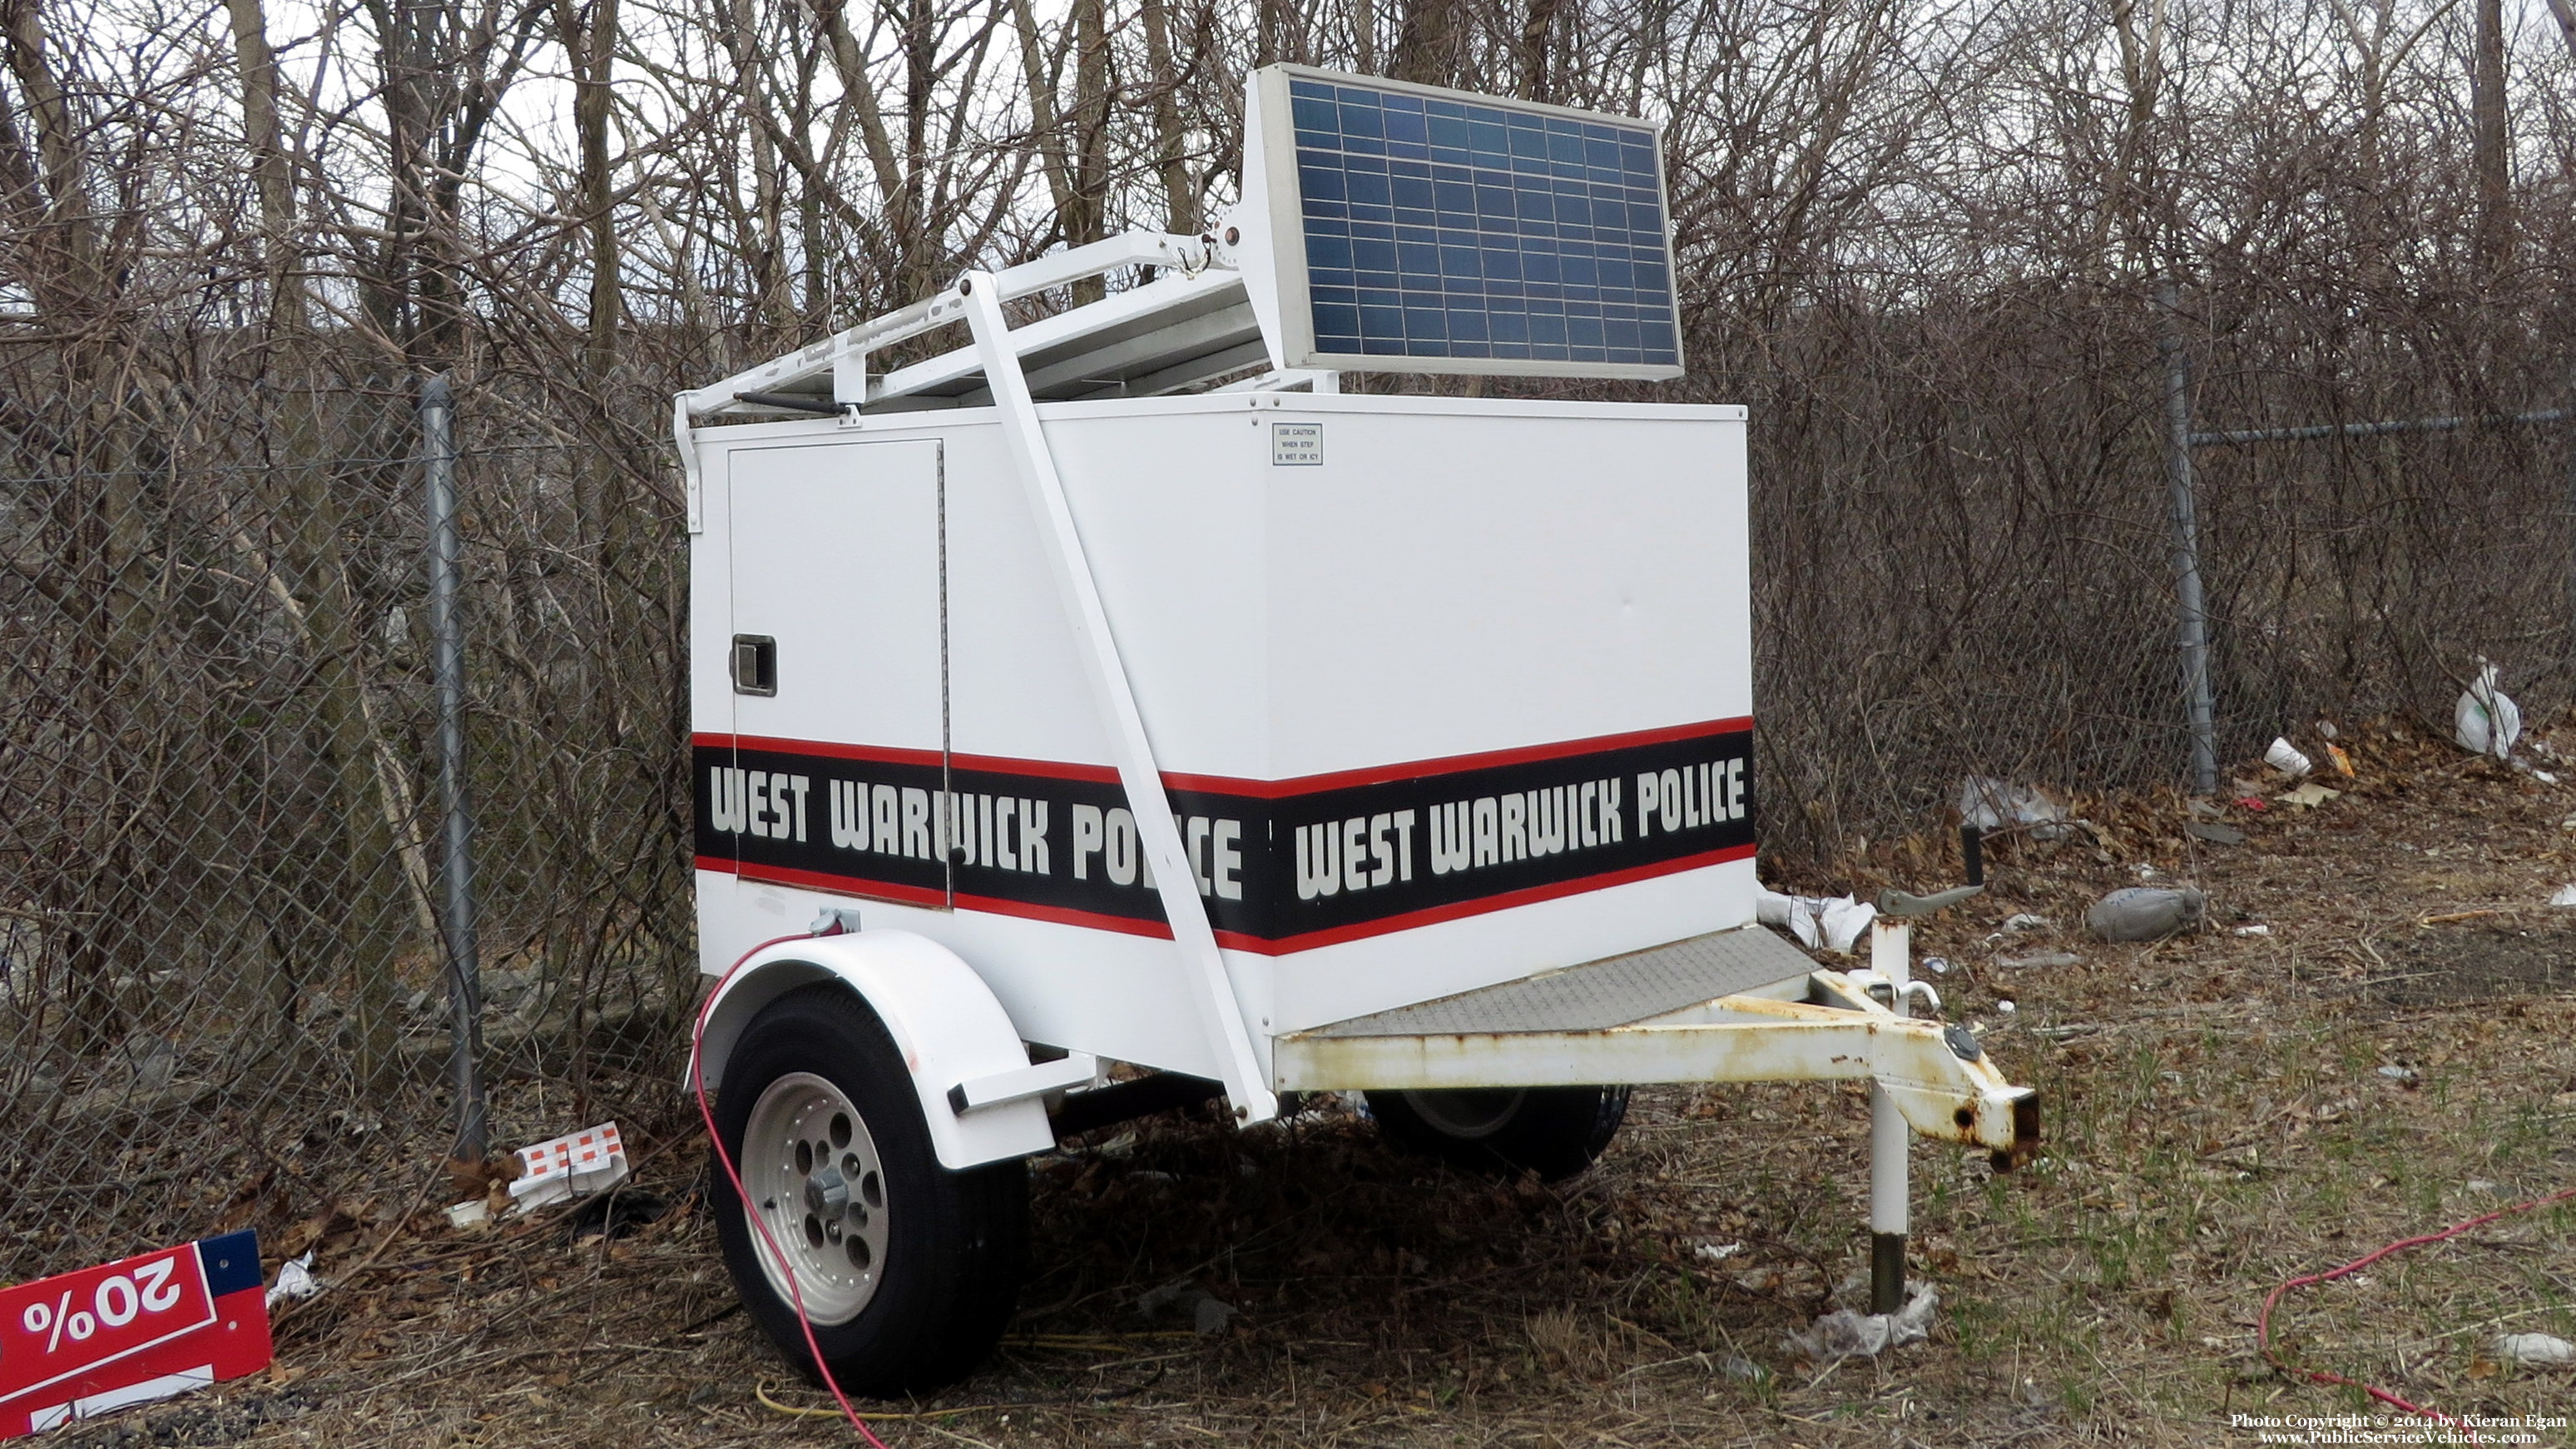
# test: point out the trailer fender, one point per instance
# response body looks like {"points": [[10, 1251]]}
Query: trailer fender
{"points": [[951, 1030]]}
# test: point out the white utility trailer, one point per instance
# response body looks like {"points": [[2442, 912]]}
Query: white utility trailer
{"points": [[1060, 703]]}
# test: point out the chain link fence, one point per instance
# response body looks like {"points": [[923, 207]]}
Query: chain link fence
{"points": [[222, 998], [1965, 550], [222, 993]]}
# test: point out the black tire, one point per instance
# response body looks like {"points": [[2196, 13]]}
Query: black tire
{"points": [[934, 1268], [1555, 1132]]}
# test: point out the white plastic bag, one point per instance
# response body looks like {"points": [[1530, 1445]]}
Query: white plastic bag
{"points": [[1819, 923], [2486, 721], [1844, 1334], [1991, 804]]}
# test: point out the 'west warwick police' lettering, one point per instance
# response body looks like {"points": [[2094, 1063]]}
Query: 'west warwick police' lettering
{"points": [[1319, 861]]}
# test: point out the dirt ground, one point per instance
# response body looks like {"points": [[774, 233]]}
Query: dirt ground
{"points": [[2224, 1111]]}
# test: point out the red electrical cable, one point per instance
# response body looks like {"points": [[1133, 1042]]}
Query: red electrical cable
{"points": [[715, 1139], [2263, 1321]]}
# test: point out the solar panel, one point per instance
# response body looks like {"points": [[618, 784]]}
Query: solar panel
{"points": [[1417, 229]]}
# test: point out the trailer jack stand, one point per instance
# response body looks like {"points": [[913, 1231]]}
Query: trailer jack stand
{"points": [[1891, 1139]]}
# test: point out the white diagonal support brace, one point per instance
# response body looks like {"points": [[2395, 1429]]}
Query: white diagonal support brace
{"points": [[1203, 963]]}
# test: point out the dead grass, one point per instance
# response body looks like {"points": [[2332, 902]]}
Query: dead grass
{"points": [[2219, 1121]]}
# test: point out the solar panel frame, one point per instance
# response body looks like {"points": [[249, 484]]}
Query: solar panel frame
{"points": [[1425, 261]]}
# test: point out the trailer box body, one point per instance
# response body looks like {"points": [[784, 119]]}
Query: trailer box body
{"points": [[1110, 714], [1445, 692]]}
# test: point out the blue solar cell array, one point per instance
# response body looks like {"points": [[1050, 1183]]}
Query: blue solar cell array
{"points": [[1443, 228]]}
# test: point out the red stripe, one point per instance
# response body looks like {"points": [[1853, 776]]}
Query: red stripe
{"points": [[1237, 940], [1052, 769], [878, 754], [1232, 785], [1065, 916], [839, 885]]}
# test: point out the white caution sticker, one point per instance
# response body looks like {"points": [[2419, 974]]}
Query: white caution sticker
{"points": [[1296, 445]]}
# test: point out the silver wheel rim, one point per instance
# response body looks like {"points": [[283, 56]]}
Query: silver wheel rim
{"points": [[813, 1177], [1467, 1113]]}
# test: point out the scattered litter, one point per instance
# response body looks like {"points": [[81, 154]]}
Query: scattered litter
{"points": [[2251, 931], [2486, 721], [2285, 757], [2252, 802], [2146, 871], [1937, 965], [2342, 762], [2025, 921], [2480, 1184], [1844, 1334], [2038, 958], [2308, 796], [1991, 804], [1207, 1313], [2214, 833], [472, 1213], [2006, 1006], [2534, 1348], [2326, 727], [1737, 1366], [2564, 896], [2143, 913], [573, 1165], [2402, 1076], [1819, 923], [1716, 1252], [295, 1281]]}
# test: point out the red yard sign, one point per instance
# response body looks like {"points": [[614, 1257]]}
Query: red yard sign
{"points": [[80, 1344]]}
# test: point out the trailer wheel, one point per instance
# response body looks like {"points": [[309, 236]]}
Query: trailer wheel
{"points": [[908, 1270], [1555, 1132]]}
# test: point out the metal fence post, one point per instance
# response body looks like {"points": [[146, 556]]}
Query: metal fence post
{"points": [[456, 923], [2192, 624]]}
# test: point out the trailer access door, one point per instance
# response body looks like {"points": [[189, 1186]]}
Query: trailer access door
{"points": [[840, 636]]}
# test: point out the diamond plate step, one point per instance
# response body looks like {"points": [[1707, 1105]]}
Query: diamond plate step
{"points": [[1599, 994]]}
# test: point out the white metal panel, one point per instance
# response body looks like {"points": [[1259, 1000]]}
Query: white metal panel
{"points": [[1171, 511], [1194, 529], [710, 595], [1354, 978], [1015, 681], [1446, 585], [1458, 576], [1114, 995], [835, 551]]}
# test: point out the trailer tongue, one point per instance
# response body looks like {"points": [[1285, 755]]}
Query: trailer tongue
{"points": [[1263, 737]]}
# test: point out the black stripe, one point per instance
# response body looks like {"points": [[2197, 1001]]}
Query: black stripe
{"points": [[1270, 869]]}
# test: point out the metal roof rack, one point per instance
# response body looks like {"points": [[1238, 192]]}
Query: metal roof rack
{"points": [[1193, 323]]}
